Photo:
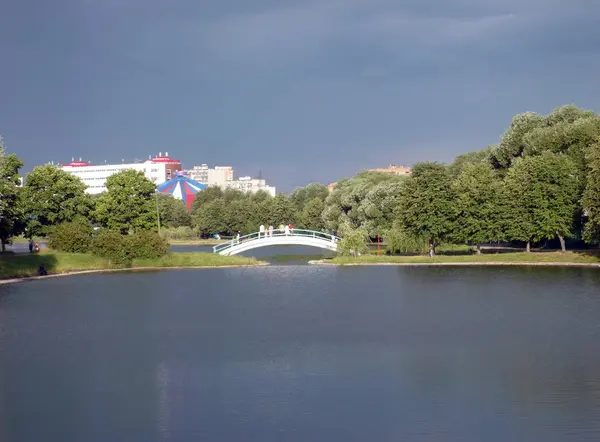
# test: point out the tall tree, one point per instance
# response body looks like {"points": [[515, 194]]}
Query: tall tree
{"points": [[311, 217], [11, 213], [591, 196], [211, 217], [541, 198], [173, 212], [52, 196], [129, 204], [303, 195], [477, 205], [426, 206]]}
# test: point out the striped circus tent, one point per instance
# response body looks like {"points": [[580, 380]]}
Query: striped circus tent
{"points": [[183, 188]]}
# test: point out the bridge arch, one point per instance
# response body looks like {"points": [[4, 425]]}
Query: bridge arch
{"points": [[296, 237]]}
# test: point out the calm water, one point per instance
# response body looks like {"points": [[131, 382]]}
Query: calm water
{"points": [[282, 255], [303, 353]]}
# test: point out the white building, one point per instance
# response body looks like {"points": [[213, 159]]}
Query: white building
{"points": [[251, 185], [158, 170], [219, 176]]}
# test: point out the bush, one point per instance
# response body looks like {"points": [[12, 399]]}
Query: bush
{"points": [[354, 241], [112, 245], [147, 245], [73, 237], [183, 232], [123, 249]]}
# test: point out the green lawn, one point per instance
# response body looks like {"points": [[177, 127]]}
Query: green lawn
{"points": [[20, 265], [536, 257]]}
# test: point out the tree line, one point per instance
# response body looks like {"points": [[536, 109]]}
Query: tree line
{"points": [[541, 182]]}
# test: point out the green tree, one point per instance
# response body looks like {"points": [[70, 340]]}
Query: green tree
{"points": [[281, 211], [11, 209], [343, 204], [311, 217], [541, 198], [209, 194], [511, 144], [52, 196], [173, 212], [210, 218], [354, 241], [477, 157], [426, 206], [302, 195], [129, 204], [591, 196], [376, 210], [477, 205]]}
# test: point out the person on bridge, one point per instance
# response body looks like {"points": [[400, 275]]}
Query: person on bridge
{"points": [[291, 228], [286, 229], [271, 230], [261, 231]]}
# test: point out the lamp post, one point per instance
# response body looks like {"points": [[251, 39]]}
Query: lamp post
{"points": [[157, 211]]}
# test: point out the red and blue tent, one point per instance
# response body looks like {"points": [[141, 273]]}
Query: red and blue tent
{"points": [[183, 188]]}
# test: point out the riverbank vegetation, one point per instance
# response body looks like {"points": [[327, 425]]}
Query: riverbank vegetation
{"points": [[24, 265], [539, 186], [537, 257]]}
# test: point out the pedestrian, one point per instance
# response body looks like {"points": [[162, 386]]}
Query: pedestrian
{"points": [[261, 231], [291, 228], [286, 229], [271, 230], [280, 228], [37, 248], [30, 245]]}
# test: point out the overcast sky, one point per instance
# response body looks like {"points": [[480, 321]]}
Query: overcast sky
{"points": [[302, 90]]}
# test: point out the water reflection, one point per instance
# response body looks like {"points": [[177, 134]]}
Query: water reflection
{"points": [[298, 353]]}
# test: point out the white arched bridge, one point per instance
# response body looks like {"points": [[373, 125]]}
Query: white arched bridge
{"points": [[296, 237]]}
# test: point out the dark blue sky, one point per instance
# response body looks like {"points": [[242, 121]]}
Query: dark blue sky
{"points": [[302, 90]]}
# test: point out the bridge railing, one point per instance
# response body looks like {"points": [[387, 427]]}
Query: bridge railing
{"points": [[259, 236]]}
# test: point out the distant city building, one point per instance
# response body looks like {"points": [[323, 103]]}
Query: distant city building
{"points": [[393, 168], [251, 185], [212, 177], [223, 177], [158, 170]]}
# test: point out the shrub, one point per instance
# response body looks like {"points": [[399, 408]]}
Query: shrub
{"points": [[184, 232], [123, 249], [353, 241], [147, 245], [74, 237], [112, 245]]}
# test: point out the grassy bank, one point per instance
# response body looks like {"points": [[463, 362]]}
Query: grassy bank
{"points": [[22, 265], [521, 257], [196, 242]]}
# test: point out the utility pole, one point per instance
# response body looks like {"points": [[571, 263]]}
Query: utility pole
{"points": [[157, 211]]}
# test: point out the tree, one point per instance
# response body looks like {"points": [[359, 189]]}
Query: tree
{"points": [[511, 145], [477, 157], [210, 218], [173, 212], [541, 198], [478, 205], [376, 210], [426, 206], [311, 217], [343, 204], [11, 213], [129, 204], [354, 241], [281, 211], [591, 196], [303, 195], [52, 196]]}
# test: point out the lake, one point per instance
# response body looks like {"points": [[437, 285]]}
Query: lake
{"points": [[303, 353]]}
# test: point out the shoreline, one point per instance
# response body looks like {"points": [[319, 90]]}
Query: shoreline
{"points": [[128, 269], [467, 264]]}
